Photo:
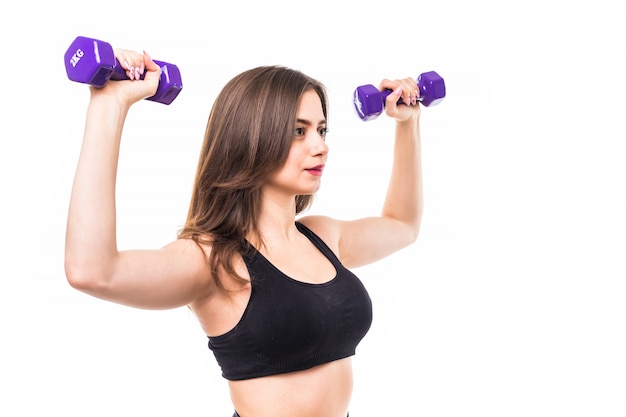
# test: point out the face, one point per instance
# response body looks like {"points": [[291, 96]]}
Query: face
{"points": [[302, 172]]}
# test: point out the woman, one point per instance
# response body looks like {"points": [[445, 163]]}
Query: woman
{"points": [[282, 312]]}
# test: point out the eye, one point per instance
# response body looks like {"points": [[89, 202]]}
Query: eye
{"points": [[299, 131], [323, 131]]}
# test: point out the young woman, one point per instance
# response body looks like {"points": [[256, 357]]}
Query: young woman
{"points": [[282, 312]]}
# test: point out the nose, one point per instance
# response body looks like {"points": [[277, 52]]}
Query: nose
{"points": [[319, 146]]}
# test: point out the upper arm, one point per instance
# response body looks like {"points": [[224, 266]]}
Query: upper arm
{"points": [[170, 277], [362, 241]]}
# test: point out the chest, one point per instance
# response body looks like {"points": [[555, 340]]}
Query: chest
{"points": [[304, 263], [304, 315]]}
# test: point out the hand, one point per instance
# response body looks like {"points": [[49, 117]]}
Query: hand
{"points": [[405, 89], [134, 89]]}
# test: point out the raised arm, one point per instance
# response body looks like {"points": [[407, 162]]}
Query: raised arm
{"points": [[404, 200], [362, 241], [163, 278]]}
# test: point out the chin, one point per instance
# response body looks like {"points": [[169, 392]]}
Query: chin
{"points": [[309, 190]]}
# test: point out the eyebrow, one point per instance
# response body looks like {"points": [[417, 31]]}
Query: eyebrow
{"points": [[308, 123]]}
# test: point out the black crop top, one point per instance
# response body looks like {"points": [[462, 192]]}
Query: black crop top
{"points": [[289, 325]]}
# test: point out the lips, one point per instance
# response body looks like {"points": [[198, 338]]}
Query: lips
{"points": [[316, 170]]}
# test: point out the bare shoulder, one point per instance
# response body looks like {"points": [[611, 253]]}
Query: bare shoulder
{"points": [[361, 241], [327, 228], [190, 257], [189, 249]]}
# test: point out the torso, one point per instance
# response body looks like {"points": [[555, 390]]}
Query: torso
{"points": [[323, 390]]}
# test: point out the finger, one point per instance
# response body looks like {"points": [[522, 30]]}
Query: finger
{"points": [[124, 58], [131, 62], [414, 89], [136, 69], [393, 97], [411, 93], [417, 90], [405, 94], [148, 64], [414, 94], [387, 84]]}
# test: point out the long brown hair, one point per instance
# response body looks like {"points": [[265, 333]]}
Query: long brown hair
{"points": [[248, 136]]}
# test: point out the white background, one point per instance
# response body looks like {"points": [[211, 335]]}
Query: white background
{"points": [[511, 303]]}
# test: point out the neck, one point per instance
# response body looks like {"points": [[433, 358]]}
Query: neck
{"points": [[276, 221]]}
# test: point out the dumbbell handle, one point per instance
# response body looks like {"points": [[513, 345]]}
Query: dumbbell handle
{"points": [[119, 73], [385, 94]]}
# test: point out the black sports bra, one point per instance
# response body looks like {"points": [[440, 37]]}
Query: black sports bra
{"points": [[289, 325]]}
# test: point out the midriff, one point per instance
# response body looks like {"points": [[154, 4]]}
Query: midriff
{"points": [[324, 390]]}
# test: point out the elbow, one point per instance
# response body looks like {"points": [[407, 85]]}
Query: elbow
{"points": [[407, 223], [82, 276], [406, 233], [78, 278], [414, 229], [417, 224], [413, 233]]}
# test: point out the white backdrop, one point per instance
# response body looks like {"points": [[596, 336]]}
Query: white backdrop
{"points": [[511, 303]]}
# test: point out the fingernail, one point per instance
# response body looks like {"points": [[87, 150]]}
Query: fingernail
{"points": [[137, 74]]}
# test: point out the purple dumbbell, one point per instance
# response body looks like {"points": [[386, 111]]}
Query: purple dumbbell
{"points": [[93, 62], [369, 102]]}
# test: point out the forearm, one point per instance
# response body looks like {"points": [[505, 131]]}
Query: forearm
{"points": [[91, 245], [404, 199]]}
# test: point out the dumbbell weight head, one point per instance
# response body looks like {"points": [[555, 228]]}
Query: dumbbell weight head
{"points": [[91, 61], [369, 102]]}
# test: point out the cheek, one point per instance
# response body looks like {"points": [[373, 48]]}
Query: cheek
{"points": [[288, 169], [294, 158]]}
